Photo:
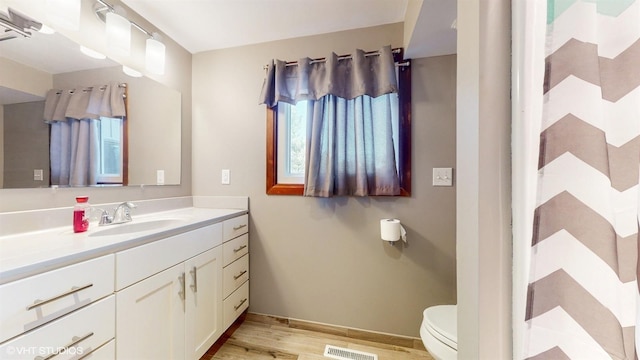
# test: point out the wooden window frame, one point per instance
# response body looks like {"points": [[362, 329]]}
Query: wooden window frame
{"points": [[404, 146]]}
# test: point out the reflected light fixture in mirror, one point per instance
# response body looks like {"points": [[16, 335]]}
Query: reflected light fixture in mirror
{"points": [[92, 53], [118, 30], [46, 30], [155, 55], [131, 72], [64, 13]]}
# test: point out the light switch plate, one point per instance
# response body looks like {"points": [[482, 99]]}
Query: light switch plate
{"points": [[442, 176], [160, 177], [226, 177]]}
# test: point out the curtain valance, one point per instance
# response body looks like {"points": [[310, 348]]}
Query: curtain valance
{"points": [[85, 103], [313, 79]]}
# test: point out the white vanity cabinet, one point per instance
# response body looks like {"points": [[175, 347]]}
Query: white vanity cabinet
{"points": [[168, 294], [173, 309], [236, 268]]}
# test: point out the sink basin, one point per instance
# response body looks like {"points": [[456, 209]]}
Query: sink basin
{"points": [[134, 227]]}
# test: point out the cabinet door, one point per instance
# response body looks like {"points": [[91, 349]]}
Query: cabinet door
{"points": [[204, 302], [150, 317]]}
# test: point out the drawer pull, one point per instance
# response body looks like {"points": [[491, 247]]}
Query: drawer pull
{"points": [[181, 291], [236, 307], [74, 341], [194, 276], [239, 249], [236, 228], [236, 277], [73, 290]]}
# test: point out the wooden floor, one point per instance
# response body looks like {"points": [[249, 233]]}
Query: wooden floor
{"points": [[254, 338]]}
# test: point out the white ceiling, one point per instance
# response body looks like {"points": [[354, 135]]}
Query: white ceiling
{"points": [[202, 25]]}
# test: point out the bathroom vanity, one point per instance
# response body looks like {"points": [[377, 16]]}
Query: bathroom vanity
{"points": [[166, 285]]}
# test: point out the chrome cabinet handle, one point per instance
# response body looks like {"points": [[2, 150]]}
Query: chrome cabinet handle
{"points": [[239, 249], [236, 277], [75, 340], [236, 307], [73, 290], [194, 276], [181, 292], [235, 228]]}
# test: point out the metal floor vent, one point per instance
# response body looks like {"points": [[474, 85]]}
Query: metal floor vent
{"points": [[339, 353]]}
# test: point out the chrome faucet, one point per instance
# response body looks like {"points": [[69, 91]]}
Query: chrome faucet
{"points": [[121, 214]]}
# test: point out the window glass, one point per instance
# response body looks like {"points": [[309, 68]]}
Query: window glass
{"points": [[110, 140]]}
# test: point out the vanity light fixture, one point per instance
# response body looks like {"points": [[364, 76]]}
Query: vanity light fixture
{"points": [[92, 53], [131, 72], [155, 56], [64, 13], [118, 33], [155, 50]]}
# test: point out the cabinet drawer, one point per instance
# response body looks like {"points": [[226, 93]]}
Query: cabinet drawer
{"points": [[143, 261], [72, 336], [236, 227], [235, 249], [235, 275], [235, 304], [28, 303], [105, 352]]}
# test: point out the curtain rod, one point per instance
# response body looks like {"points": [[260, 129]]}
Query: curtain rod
{"points": [[122, 85], [346, 57]]}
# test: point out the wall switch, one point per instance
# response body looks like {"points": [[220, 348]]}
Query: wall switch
{"points": [[226, 180], [37, 175], [160, 177], [442, 176]]}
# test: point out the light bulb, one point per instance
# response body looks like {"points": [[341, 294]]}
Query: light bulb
{"points": [[118, 34], [92, 53], [131, 72], [155, 56], [64, 13]]}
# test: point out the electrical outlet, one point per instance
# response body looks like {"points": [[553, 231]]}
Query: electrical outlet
{"points": [[37, 175], [226, 177], [442, 176]]}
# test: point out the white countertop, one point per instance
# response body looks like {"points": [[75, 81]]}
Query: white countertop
{"points": [[31, 253]]}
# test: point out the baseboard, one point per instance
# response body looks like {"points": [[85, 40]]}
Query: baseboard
{"points": [[358, 334]]}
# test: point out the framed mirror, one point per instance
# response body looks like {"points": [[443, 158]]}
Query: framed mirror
{"points": [[30, 66]]}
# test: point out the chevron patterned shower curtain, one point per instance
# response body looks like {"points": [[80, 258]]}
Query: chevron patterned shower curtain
{"points": [[583, 291]]}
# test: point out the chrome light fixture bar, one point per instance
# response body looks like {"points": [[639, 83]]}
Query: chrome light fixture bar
{"points": [[17, 23]]}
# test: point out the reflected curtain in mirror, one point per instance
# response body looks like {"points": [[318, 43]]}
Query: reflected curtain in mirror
{"points": [[74, 116]]}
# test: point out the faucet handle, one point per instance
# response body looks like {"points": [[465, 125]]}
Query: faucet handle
{"points": [[105, 218]]}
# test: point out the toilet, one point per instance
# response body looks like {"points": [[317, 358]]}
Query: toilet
{"points": [[439, 331]]}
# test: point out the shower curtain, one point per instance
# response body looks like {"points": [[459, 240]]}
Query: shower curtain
{"points": [[582, 296]]}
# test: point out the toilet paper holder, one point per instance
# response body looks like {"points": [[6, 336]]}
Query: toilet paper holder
{"points": [[391, 230]]}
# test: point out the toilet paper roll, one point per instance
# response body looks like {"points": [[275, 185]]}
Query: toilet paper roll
{"points": [[392, 230]]}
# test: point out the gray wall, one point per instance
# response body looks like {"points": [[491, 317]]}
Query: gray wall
{"points": [[322, 259], [27, 140]]}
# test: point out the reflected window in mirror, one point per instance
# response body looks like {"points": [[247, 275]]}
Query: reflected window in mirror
{"points": [[111, 140]]}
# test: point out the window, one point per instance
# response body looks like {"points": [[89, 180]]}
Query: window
{"points": [[111, 147], [292, 125], [286, 137]]}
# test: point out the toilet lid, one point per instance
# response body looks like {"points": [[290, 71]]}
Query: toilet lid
{"points": [[442, 323]]}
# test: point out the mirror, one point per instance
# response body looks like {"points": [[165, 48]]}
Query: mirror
{"points": [[29, 67]]}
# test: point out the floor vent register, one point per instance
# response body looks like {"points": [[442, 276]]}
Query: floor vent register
{"points": [[339, 353]]}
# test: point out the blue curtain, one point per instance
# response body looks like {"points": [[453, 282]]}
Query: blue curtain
{"points": [[352, 106]]}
